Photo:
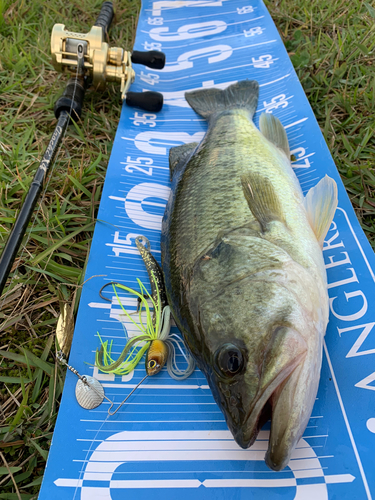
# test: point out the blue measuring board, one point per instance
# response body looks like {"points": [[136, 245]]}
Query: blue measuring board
{"points": [[170, 440]]}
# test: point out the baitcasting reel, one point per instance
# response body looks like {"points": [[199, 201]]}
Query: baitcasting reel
{"points": [[91, 61], [100, 63]]}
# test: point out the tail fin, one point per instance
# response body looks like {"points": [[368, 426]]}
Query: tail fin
{"points": [[207, 102]]}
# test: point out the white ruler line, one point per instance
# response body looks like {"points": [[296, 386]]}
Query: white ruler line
{"points": [[226, 69], [158, 386], [157, 421], [119, 226], [202, 17], [297, 137], [110, 279], [183, 483], [295, 131], [295, 123], [249, 483], [155, 142], [199, 17], [205, 3], [122, 268], [274, 81], [157, 404], [310, 180], [195, 483], [169, 413], [351, 437], [181, 120], [107, 321], [339, 478], [180, 435], [303, 172], [317, 436], [169, 395], [90, 441], [285, 115], [189, 471], [112, 336]]}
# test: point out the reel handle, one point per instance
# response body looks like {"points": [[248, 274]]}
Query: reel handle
{"points": [[149, 101], [152, 59], [105, 17]]}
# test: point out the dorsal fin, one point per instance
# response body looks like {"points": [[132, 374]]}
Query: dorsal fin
{"points": [[272, 129], [179, 155], [320, 204]]}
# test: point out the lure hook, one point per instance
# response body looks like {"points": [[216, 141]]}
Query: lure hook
{"points": [[127, 397], [114, 283]]}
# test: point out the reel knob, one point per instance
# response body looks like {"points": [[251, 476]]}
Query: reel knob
{"points": [[152, 59], [149, 101]]}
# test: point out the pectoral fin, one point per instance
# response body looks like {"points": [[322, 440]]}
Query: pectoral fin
{"points": [[262, 199], [320, 204], [179, 155]]}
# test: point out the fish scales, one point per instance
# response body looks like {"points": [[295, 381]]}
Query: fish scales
{"points": [[243, 268], [232, 146]]}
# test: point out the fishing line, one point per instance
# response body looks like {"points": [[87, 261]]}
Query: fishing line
{"points": [[81, 473], [109, 414], [79, 68], [86, 380]]}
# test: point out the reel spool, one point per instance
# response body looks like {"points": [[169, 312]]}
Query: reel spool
{"points": [[101, 64]]}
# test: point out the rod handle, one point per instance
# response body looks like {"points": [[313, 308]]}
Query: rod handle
{"points": [[149, 101], [71, 100], [105, 16], [152, 59]]}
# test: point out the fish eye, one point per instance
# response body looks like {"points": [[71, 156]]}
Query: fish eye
{"points": [[152, 364], [229, 360]]}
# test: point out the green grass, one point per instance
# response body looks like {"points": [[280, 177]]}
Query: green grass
{"points": [[51, 267], [331, 45]]}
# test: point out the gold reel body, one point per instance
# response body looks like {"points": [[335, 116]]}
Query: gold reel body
{"points": [[101, 63]]}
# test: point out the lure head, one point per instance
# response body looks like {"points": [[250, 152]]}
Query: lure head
{"points": [[156, 357]]}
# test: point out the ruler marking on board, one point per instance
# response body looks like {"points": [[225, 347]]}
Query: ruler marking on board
{"points": [[358, 243], [347, 424], [201, 17], [160, 175]]}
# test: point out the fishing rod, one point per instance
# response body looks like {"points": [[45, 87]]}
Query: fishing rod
{"points": [[90, 61]]}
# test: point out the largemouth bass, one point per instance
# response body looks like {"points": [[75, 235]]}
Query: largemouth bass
{"points": [[243, 268]]}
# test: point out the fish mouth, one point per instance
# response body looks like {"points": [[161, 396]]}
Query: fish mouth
{"points": [[279, 396], [262, 407]]}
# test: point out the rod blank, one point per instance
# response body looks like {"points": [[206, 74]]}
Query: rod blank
{"points": [[15, 238]]}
